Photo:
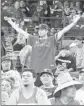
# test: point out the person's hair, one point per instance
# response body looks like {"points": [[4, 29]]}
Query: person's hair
{"points": [[30, 70]]}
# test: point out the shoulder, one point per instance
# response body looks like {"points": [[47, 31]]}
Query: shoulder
{"points": [[40, 90], [16, 91], [76, 102]]}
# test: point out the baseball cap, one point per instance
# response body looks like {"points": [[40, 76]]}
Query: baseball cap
{"points": [[46, 71]]}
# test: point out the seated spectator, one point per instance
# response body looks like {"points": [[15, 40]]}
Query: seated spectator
{"points": [[66, 89], [28, 93], [47, 79], [56, 8], [17, 12], [79, 53], [3, 44], [71, 16], [66, 4], [24, 9], [77, 7], [72, 6]]}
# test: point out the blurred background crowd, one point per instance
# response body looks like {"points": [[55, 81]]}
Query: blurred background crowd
{"points": [[28, 14]]}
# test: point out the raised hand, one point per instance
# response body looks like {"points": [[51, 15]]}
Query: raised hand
{"points": [[76, 18], [7, 18]]}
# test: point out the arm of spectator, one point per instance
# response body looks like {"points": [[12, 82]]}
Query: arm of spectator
{"points": [[67, 28], [56, 57], [42, 98], [15, 26]]}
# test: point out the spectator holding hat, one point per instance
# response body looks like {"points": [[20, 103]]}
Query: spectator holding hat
{"points": [[66, 54], [66, 89], [43, 47], [47, 80]]}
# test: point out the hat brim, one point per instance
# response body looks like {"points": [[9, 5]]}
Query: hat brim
{"points": [[45, 73], [77, 84], [64, 61]]}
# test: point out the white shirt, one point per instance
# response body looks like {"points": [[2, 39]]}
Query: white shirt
{"points": [[80, 96]]}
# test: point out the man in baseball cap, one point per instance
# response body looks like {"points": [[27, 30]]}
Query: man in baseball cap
{"points": [[46, 77]]}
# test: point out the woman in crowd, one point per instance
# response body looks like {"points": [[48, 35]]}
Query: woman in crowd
{"points": [[7, 86]]}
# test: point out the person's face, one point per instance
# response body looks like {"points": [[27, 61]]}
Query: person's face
{"points": [[71, 4], [41, 2], [61, 67], [5, 86], [77, 4], [78, 42], [46, 78], [42, 32], [22, 4], [73, 12], [66, 4], [17, 5], [27, 78], [72, 50], [68, 11], [6, 65], [70, 91]]}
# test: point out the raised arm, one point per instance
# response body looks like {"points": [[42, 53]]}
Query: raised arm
{"points": [[68, 27], [15, 26]]}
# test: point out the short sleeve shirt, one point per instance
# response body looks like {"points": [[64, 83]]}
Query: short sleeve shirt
{"points": [[43, 52]]}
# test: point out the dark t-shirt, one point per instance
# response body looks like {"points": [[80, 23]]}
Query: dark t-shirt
{"points": [[49, 91], [43, 52]]}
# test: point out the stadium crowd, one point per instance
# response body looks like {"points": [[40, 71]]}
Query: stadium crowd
{"points": [[34, 69]]}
